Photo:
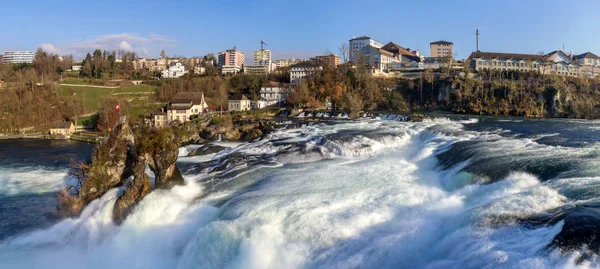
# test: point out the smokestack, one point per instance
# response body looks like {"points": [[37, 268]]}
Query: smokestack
{"points": [[477, 35]]}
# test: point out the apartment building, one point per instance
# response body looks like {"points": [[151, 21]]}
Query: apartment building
{"points": [[551, 63], [589, 62], [301, 70], [230, 61], [331, 60], [441, 49], [358, 43], [16, 57], [262, 57]]}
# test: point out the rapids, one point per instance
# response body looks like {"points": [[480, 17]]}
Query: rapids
{"points": [[370, 193]]}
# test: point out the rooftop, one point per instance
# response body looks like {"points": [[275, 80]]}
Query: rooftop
{"points": [[360, 37], [480, 54], [188, 97], [61, 125], [586, 55], [273, 84], [441, 42], [305, 64], [238, 97]]}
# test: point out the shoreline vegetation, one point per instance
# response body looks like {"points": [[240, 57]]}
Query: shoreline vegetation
{"points": [[34, 96]]}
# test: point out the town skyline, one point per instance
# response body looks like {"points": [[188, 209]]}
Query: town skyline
{"points": [[290, 33]]}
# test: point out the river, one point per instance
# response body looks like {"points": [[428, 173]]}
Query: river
{"points": [[452, 192]]}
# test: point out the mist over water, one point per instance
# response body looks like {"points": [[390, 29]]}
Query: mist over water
{"points": [[447, 193]]}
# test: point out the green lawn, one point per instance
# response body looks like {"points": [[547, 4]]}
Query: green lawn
{"points": [[137, 88], [139, 104]]}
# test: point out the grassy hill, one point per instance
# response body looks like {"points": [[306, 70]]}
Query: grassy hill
{"points": [[142, 98]]}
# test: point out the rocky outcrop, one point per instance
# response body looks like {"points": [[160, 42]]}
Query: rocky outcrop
{"points": [[121, 160], [135, 191]]}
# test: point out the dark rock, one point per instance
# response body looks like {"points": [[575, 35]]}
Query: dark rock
{"points": [[138, 188], [252, 134]]}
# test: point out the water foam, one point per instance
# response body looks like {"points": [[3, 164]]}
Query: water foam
{"points": [[378, 200]]}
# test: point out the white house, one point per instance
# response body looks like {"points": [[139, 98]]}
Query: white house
{"points": [[358, 43], [175, 70], [181, 107], [301, 70], [238, 102], [273, 94], [76, 68]]}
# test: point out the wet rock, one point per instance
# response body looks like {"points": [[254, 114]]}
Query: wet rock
{"points": [[136, 190], [251, 134]]}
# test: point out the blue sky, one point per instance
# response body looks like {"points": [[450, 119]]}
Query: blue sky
{"points": [[297, 28]]}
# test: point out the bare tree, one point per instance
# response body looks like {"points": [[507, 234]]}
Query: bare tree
{"points": [[344, 52]]}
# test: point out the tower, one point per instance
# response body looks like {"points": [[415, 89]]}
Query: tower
{"points": [[477, 37]]}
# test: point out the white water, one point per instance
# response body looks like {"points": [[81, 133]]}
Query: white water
{"points": [[27, 180], [372, 203]]}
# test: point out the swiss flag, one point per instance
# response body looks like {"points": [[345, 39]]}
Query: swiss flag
{"points": [[118, 107]]}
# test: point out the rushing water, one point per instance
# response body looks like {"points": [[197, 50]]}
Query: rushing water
{"points": [[448, 193]]}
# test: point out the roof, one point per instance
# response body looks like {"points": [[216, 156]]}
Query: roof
{"points": [[61, 125], [180, 106], [393, 47], [586, 55], [381, 51], [272, 84], [441, 42], [360, 37], [238, 97], [479, 54], [305, 64], [188, 97]]}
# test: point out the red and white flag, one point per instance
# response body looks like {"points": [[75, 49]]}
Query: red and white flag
{"points": [[118, 107]]}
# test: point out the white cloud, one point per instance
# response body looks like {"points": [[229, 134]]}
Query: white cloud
{"points": [[125, 46], [47, 47], [147, 45]]}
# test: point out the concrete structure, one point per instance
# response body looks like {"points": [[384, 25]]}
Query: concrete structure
{"points": [[230, 69], [375, 58], [238, 102], [262, 57], [441, 49], [506, 61], [175, 70], [274, 94], [16, 57], [552, 63], [181, 107], [62, 128], [301, 70], [358, 43], [258, 70], [331, 60], [436, 62], [230, 61], [286, 62]]}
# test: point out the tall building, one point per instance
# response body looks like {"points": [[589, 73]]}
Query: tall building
{"points": [[441, 48], [262, 57], [15, 57], [230, 61], [358, 43], [331, 60], [301, 70]]}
